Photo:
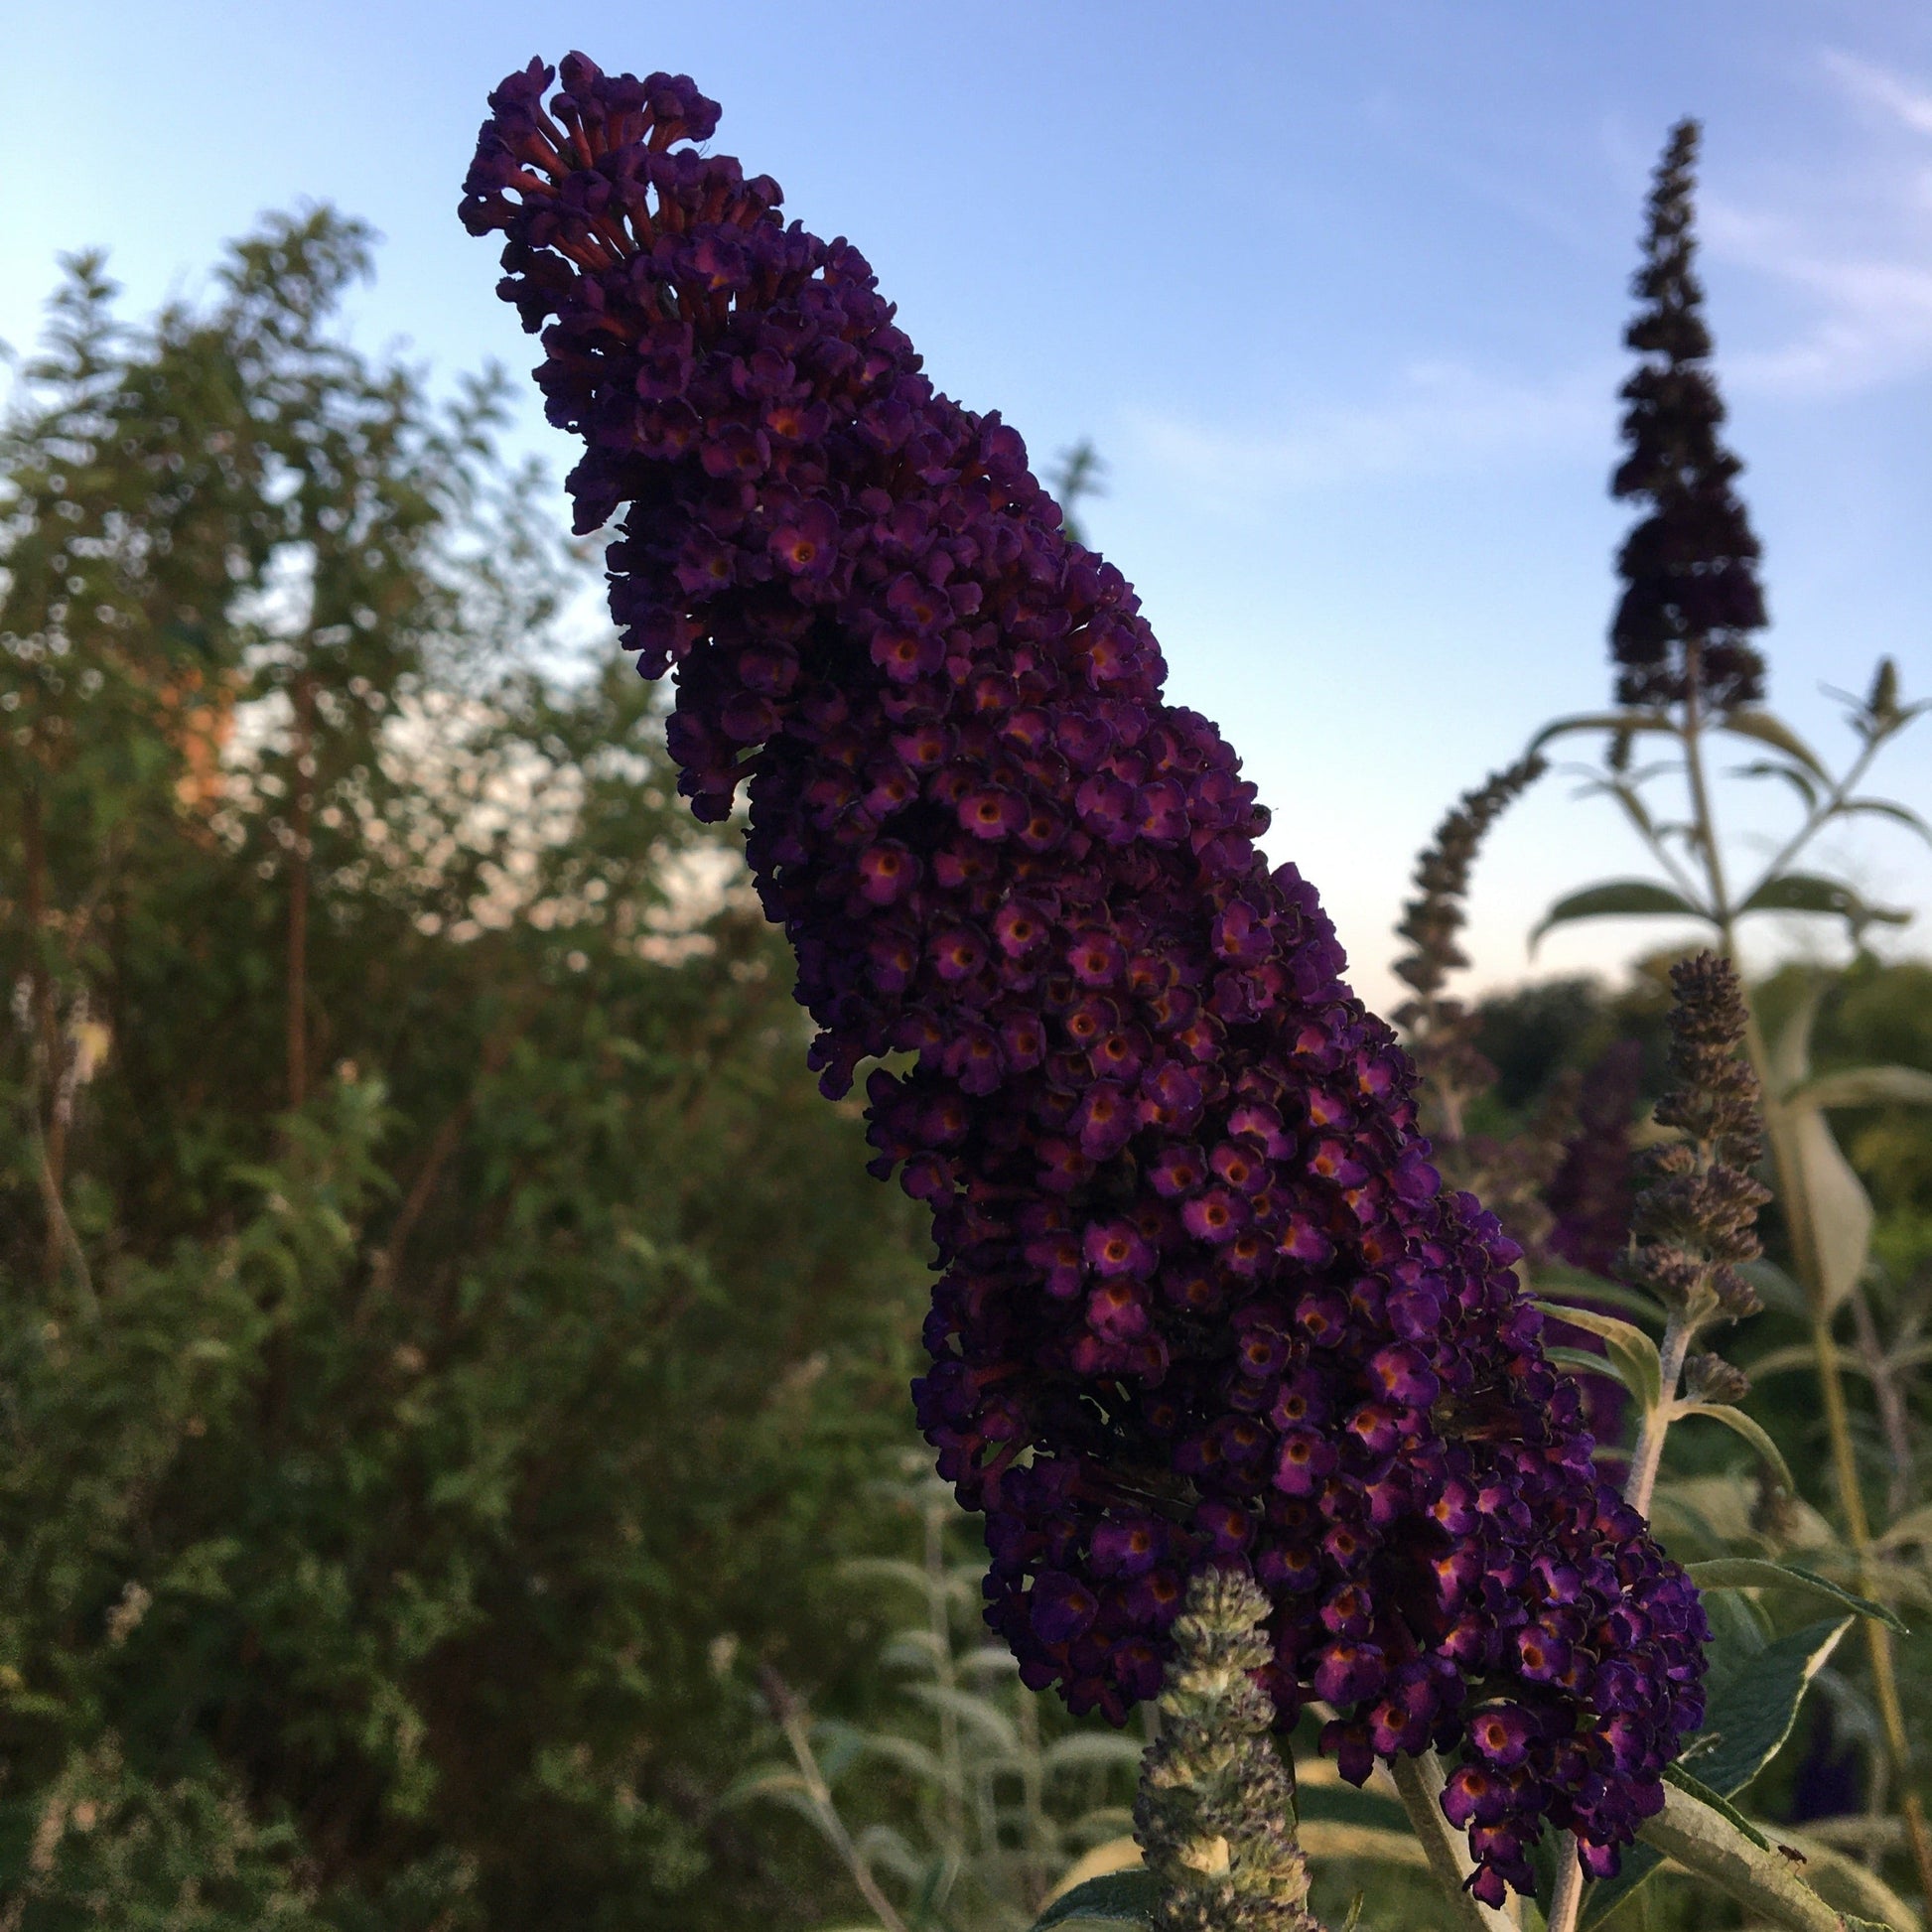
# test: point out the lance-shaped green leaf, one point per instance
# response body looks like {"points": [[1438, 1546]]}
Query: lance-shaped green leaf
{"points": [[1328, 1842], [1798, 780], [1867, 1086], [1617, 899], [1580, 1361], [1883, 808], [1640, 1369], [1751, 1713], [1633, 721], [1119, 1898], [1718, 1848], [1088, 1750], [1752, 1432], [1765, 729], [1701, 1792], [1341, 1804], [1835, 1206], [1759, 1573], [1808, 892]]}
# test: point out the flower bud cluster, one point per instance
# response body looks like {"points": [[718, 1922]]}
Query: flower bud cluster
{"points": [[1215, 1811], [1202, 1301], [1696, 1220]]}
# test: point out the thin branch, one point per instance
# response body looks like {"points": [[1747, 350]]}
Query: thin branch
{"points": [[301, 815], [1819, 816], [1893, 1421], [790, 1715]]}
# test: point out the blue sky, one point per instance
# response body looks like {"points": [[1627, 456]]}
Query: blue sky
{"points": [[1337, 289]]}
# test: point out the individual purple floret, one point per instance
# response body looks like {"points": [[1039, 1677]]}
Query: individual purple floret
{"points": [[1202, 1297]]}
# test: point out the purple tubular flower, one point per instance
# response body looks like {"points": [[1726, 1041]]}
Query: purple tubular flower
{"points": [[1202, 1301]]}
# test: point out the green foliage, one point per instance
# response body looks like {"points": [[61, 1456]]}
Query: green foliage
{"points": [[979, 1797], [1121, 1899], [442, 1318]]}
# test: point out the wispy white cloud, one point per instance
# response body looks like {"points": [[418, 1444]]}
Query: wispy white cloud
{"points": [[1853, 249], [1438, 417], [1905, 102], [1843, 259]]}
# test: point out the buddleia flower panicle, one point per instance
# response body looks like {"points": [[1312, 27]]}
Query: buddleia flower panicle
{"points": [[1442, 1031], [1215, 1810], [1201, 1299], [1696, 1218], [1691, 593]]}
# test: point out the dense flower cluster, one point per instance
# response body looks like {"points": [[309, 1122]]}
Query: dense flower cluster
{"points": [[1215, 1812], [1203, 1300], [1691, 596], [1695, 1219], [1442, 1030]]}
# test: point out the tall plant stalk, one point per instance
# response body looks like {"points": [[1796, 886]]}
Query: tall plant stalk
{"points": [[1807, 1256], [1723, 912], [301, 830]]}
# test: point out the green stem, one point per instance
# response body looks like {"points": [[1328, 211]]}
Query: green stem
{"points": [[1703, 822], [939, 1627], [818, 1794], [1419, 1783], [1567, 1901], [1805, 1253], [1817, 817], [1647, 1458]]}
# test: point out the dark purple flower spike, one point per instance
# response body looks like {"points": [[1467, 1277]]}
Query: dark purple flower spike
{"points": [[1201, 1299]]}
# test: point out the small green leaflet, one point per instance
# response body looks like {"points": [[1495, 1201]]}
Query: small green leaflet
{"points": [[1617, 897], [1865, 1086], [1632, 720], [1119, 1898], [1703, 1793], [1758, 1573], [1635, 1354], [1766, 729], [1752, 1431], [1805, 891]]}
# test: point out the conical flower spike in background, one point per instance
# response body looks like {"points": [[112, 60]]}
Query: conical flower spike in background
{"points": [[1690, 597], [1203, 1300]]}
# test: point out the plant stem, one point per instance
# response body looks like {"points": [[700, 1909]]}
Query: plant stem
{"points": [[954, 1786], [791, 1719], [44, 1050], [302, 811], [1419, 1784], [1805, 1253], [1566, 1901], [1703, 822], [1893, 1419], [1648, 1456]]}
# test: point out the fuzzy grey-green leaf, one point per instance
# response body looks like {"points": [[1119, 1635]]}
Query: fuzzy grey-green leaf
{"points": [[1617, 899], [1759, 1573], [1753, 1431], [1119, 1898], [1766, 729], [1867, 1086]]}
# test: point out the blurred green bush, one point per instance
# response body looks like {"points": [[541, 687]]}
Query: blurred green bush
{"points": [[443, 1322]]}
